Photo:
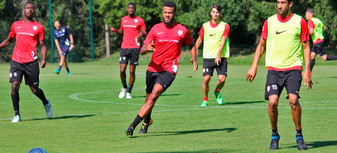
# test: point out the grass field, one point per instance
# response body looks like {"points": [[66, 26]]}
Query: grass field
{"points": [[89, 116]]}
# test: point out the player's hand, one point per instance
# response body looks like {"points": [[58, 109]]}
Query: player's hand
{"points": [[43, 63], [72, 46], [218, 60], [195, 64], [307, 80], [251, 75], [60, 53], [151, 46], [113, 29]]}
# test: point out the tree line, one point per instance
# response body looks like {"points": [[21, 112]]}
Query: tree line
{"points": [[245, 17]]}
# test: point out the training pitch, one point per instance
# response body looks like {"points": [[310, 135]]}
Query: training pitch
{"points": [[89, 116]]}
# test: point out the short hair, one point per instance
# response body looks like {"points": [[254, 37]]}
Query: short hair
{"points": [[131, 3], [311, 11], [217, 7], [29, 3], [288, 1], [171, 4]]}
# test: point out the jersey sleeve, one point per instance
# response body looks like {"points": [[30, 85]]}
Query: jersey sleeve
{"points": [[304, 31], [264, 33], [68, 31], [41, 33], [187, 39], [54, 32], [150, 37], [226, 32], [311, 24], [142, 25], [202, 32], [12, 32], [121, 24]]}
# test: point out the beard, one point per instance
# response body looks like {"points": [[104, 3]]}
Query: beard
{"points": [[171, 21]]}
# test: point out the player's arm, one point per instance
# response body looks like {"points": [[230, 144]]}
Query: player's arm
{"points": [[218, 55], [58, 46], [306, 53], [146, 48], [258, 53], [194, 56], [324, 27], [43, 53], [118, 31], [198, 43], [71, 41], [141, 34], [6, 42]]}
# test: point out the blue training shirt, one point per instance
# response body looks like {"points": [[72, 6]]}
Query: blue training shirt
{"points": [[62, 36]]}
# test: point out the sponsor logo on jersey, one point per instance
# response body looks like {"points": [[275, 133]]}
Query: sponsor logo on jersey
{"points": [[279, 32], [212, 34]]}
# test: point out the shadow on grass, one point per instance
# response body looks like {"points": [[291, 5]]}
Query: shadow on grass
{"points": [[64, 117], [164, 95], [242, 102], [198, 151], [318, 144]]}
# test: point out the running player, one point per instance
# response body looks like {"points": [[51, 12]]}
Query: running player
{"points": [[132, 28], [165, 40], [316, 28], [61, 35], [215, 53], [285, 38], [24, 59]]}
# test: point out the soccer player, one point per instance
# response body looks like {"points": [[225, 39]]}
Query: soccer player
{"points": [[215, 53], [316, 28], [285, 37], [24, 59], [165, 40], [132, 28], [61, 35]]}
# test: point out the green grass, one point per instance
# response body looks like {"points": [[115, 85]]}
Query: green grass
{"points": [[89, 116]]}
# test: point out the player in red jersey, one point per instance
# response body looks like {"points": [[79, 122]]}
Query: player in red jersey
{"points": [[132, 28], [24, 59], [165, 40]]}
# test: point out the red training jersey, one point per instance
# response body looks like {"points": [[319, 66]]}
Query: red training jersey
{"points": [[131, 27], [225, 33], [168, 43], [27, 35]]}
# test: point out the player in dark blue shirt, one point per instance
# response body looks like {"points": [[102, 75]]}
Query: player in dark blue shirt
{"points": [[61, 38]]}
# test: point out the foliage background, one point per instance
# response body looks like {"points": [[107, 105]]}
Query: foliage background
{"points": [[245, 17]]}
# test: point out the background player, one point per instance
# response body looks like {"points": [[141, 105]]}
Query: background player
{"points": [[215, 53], [24, 59], [132, 28], [165, 39], [284, 60], [61, 35], [316, 28]]}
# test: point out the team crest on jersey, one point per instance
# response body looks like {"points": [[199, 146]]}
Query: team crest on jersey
{"points": [[63, 30], [136, 20], [34, 27], [180, 32]]}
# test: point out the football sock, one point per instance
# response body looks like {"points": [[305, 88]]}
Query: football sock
{"points": [[129, 89], [217, 90], [124, 84], [312, 63], [299, 132], [60, 67], [274, 132], [205, 98], [137, 120], [147, 119], [331, 57], [39, 93], [15, 101], [67, 69]]}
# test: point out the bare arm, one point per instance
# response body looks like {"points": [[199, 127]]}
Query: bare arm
{"points": [[141, 34], [43, 54], [324, 27], [218, 55], [258, 53], [6, 42], [311, 30], [71, 41], [114, 30], [58, 46], [194, 56], [307, 77], [198, 43], [146, 48]]}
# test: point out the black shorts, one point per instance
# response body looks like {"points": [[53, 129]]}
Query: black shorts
{"points": [[209, 65], [164, 78], [30, 70], [318, 49], [276, 80], [131, 53]]}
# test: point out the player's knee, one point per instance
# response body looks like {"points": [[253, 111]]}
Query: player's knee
{"points": [[293, 103], [34, 90], [273, 104]]}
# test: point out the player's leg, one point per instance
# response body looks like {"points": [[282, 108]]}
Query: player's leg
{"points": [[15, 78], [205, 89], [222, 73], [123, 61], [312, 60], [57, 71], [66, 63], [132, 78]]}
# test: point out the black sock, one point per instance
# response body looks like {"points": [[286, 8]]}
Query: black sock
{"points": [[135, 122], [312, 63], [274, 132], [15, 101], [39, 93], [299, 132], [331, 57], [124, 84], [147, 119], [129, 89]]}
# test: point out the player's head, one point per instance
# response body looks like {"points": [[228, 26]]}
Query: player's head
{"points": [[57, 25], [284, 7], [309, 14], [131, 8], [216, 12], [169, 12], [28, 10]]}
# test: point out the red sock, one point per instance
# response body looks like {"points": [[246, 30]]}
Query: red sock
{"points": [[205, 98], [217, 90]]}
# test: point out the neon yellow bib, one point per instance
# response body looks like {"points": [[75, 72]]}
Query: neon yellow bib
{"points": [[284, 48], [318, 30], [212, 41]]}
